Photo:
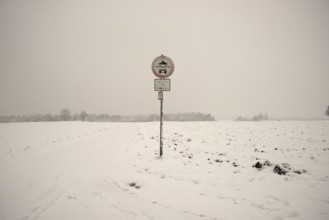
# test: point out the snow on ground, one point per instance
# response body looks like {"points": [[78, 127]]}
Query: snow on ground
{"points": [[210, 170]]}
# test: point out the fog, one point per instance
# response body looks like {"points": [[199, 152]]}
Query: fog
{"points": [[231, 57]]}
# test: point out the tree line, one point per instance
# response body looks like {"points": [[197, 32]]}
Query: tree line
{"points": [[257, 117], [66, 115], [264, 117]]}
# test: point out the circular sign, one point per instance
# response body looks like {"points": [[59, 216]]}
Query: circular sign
{"points": [[163, 66]]}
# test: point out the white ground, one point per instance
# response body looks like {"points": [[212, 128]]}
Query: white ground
{"points": [[81, 170]]}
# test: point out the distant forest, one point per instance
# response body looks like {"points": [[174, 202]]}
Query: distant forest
{"points": [[258, 117], [65, 115]]}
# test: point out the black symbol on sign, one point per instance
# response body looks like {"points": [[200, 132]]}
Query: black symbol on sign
{"points": [[163, 63], [163, 71]]}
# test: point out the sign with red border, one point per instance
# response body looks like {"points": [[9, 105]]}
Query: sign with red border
{"points": [[163, 67]]}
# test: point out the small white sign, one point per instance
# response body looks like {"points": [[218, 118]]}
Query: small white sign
{"points": [[160, 95], [162, 85]]}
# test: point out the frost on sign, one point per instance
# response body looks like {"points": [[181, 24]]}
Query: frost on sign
{"points": [[163, 66], [162, 85]]}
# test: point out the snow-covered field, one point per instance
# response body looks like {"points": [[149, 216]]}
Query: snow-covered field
{"points": [[210, 170]]}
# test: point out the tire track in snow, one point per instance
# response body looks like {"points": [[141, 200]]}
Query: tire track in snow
{"points": [[70, 162], [38, 211]]}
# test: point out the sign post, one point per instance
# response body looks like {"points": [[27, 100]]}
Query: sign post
{"points": [[161, 122], [162, 67]]}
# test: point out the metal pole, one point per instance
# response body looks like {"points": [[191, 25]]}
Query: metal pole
{"points": [[161, 115]]}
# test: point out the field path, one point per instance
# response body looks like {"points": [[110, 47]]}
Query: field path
{"points": [[66, 172]]}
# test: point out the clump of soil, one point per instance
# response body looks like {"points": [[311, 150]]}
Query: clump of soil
{"points": [[280, 169], [261, 166], [135, 185]]}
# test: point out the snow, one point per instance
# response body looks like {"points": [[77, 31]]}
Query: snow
{"points": [[87, 170]]}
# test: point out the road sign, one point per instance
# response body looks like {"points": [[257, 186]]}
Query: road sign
{"points": [[163, 66], [162, 85]]}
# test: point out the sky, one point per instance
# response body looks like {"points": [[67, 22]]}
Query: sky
{"points": [[232, 58]]}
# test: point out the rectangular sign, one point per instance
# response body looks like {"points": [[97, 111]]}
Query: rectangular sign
{"points": [[162, 85]]}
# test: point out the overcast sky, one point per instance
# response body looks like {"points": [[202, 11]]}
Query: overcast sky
{"points": [[231, 57]]}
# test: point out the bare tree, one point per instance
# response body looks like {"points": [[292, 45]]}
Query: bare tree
{"points": [[82, 115], [327, 112], [65, 114]]}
